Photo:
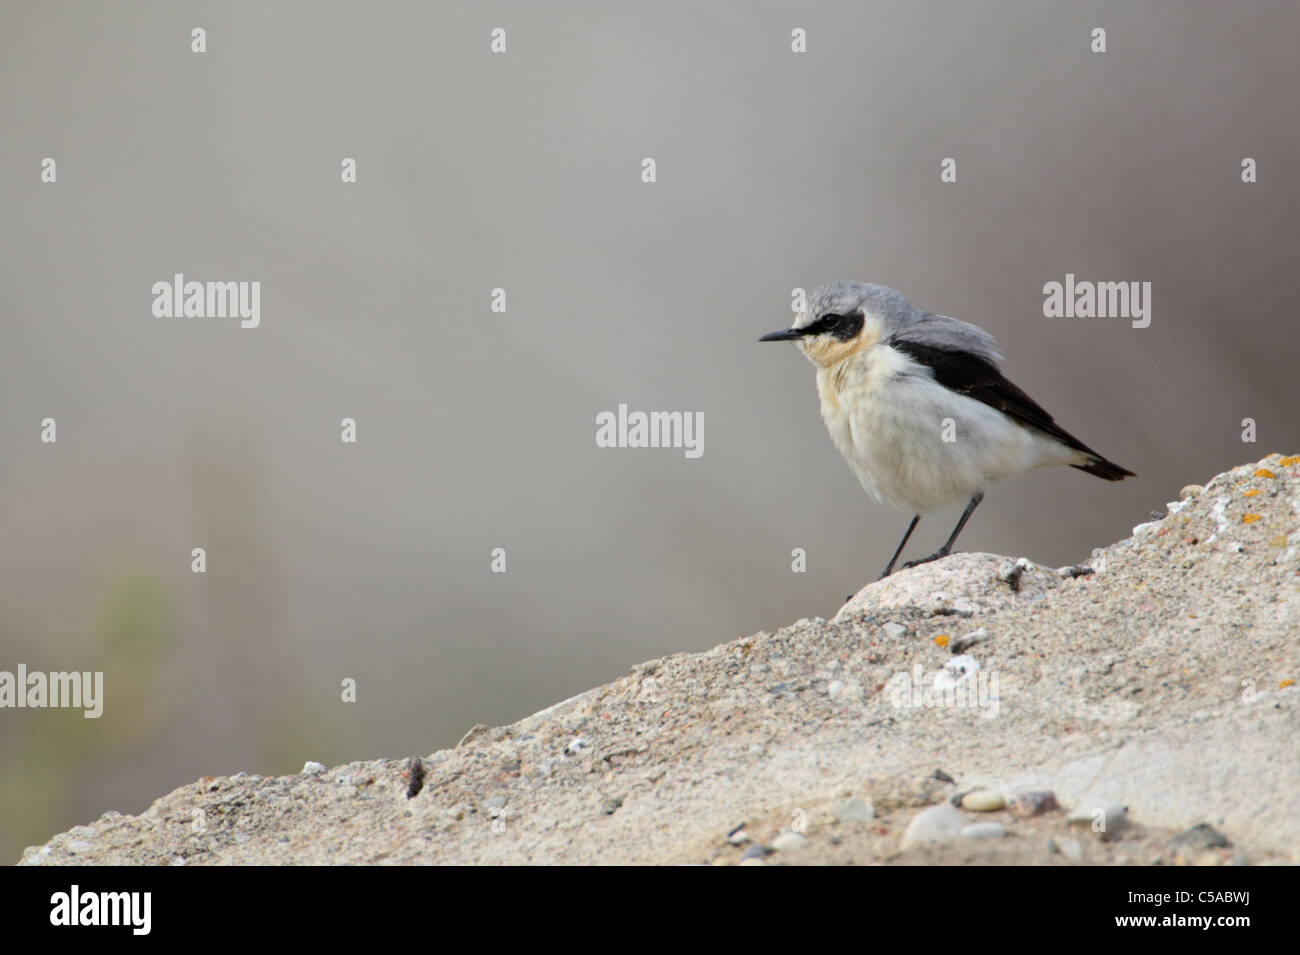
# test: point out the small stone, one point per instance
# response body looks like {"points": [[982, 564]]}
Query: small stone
{"points": [[925, 791], [1072, 849], [894, 630], [1073, 571], [965, 643], [853, 811], [752, 860], [787, 841], [576, 745], [1106, 815], [738, 838], [313, 768], [610, 804], [1010, 573], [984, 800], [1202, 836], [847, 691], [932, 826], [959, 666], [1190, 490], [984, 830], [1034, 802], [756, 851]]}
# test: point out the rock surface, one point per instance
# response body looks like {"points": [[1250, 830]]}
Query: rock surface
{"points": [[1160, 684]]}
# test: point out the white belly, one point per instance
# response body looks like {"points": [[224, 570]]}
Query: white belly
{"points": [[891, 430]]}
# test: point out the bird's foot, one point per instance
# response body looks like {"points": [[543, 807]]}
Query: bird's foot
{"points": [[925, 560]]}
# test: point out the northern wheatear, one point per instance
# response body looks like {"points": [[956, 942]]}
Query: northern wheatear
{"points": [[916, 404]]}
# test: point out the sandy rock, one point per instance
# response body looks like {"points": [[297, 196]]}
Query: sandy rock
{"points": [[1159, 683]]}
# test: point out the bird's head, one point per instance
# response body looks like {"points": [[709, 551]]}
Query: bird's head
{"points": [[842, 318]]}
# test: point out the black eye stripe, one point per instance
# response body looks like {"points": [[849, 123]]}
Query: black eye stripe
{"points": [[842, 327]]}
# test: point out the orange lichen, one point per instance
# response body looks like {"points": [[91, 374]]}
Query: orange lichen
{"points": [[1252, 492], [1251, 518], [942, 639], [1285, 683], [1264, 473], [1288, 461]]}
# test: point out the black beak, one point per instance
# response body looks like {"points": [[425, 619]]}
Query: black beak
{"points": [[785, 335]]}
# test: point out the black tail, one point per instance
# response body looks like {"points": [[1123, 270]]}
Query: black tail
{"points": [[1106, 470]]}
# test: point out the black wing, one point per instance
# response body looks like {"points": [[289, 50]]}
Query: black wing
{"points": [[978, 378]]}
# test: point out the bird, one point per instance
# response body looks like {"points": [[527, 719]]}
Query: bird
{"points": [[918, 407]]}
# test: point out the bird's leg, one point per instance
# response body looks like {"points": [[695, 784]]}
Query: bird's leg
{"points": [[889, 569], [946, 548]]}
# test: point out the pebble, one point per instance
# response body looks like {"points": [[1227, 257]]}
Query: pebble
{"points": [[1111, 815], [1190, 490], [849, 691], [787, 841], [1203, 836], [984, 830], [313, 768], [853, 810], [894, 630], [611, 804], [932, 826], [1034, 802], [755, 851], [954, 671], [1072, 849], [738, 838], [968, 641], [1010, 573], [984, 800]]}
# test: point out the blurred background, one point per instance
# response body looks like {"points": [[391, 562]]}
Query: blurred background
{"points": [[476, 430]]}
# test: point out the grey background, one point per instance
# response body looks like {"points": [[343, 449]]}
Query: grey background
{"points": [[476, 430]]}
